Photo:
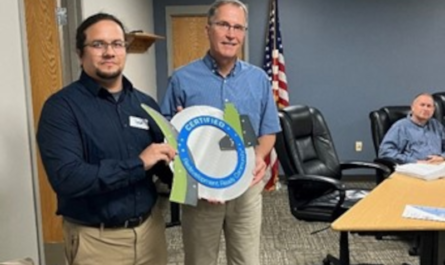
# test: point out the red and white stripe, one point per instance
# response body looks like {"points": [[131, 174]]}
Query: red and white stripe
{"points": [[274, 65]]}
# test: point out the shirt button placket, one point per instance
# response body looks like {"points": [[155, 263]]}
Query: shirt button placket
{"points": [[224, 92], [121, 118]]}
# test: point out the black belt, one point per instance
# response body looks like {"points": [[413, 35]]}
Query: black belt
{"points": [[130, 223]]}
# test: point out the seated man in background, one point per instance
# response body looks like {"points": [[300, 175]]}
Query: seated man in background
{"points": [[418, 138]]}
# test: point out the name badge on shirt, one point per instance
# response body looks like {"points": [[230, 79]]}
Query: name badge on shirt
{"points": [[139, 123]]}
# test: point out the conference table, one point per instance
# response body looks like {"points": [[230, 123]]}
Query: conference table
{"points": [[381, 210]]}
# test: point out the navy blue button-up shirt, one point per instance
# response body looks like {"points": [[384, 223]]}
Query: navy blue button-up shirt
{"points": [[90, 151]]}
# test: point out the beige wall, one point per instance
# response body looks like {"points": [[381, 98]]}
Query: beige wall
{"points": [[136, 15], [18, 218]]}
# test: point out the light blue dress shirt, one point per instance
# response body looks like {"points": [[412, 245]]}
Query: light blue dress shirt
{"points": [[246, 86], [409, 142]]}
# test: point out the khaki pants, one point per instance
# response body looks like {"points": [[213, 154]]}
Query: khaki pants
{"points": [[240, 219], [142, 245]]}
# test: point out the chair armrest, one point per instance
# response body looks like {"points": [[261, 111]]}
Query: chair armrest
{"points": [[391, 163], [336, 184], [382, 168]]}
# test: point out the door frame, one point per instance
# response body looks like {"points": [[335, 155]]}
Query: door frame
{"points": [[68, 59], [31, 134], [70, 62], [171, 11]]}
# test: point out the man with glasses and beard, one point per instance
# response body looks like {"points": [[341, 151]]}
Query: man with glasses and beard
{"points": [[100, 150]]}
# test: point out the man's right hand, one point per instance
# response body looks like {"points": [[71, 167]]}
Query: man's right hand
{"points": [[155, 153]]}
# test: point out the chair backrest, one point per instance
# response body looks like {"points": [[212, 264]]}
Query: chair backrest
{"points": [[383, 119], [305, 147], [305, 144], [439, 102]]}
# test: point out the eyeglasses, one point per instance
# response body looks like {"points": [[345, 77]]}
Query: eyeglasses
{"points": [[226, 26], [118, 45]]}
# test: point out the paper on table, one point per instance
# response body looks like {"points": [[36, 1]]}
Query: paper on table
{"points": [[422, 171], [424, 213]]}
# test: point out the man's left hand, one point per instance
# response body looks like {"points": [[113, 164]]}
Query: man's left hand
{"points": [[435, 159], [259, 171]]}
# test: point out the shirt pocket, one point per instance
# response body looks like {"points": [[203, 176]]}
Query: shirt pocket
{"points": [[251, 107]]}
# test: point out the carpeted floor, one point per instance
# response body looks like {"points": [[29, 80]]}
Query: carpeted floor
{"points": [[288, 241]]}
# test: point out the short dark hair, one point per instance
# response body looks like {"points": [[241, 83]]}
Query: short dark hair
{"points": [[88, 22]]}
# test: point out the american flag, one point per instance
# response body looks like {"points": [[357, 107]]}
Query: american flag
{"points": [[275, 69]]}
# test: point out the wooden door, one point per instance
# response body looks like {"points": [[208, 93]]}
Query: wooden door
{"points": [[189, 38], [46, 78]]}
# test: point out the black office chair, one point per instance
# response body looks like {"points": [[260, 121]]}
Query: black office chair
{"points": [[175, 219], [164, 191], [313, 171], [381, 120], [175, 209], [439, 102]]}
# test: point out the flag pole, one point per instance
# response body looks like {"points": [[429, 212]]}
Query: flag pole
{"points": [[273, 11]]}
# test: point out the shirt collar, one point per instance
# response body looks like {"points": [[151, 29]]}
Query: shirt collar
{"points": [[210, 62], [96, 89], [410, 117]]}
